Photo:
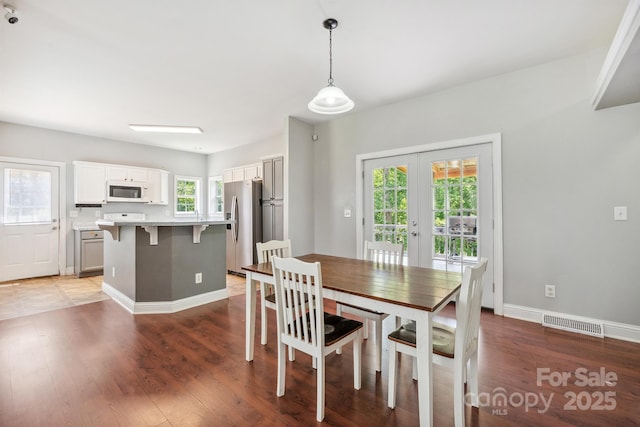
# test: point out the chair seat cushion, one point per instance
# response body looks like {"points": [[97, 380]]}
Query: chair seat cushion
{"points": [[336, 327], [444, 337]]}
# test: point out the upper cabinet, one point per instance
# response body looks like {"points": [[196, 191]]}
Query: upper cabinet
{"points": [[90, 182], [273, 179], [123, 173], [243, 173], [159, 183]]}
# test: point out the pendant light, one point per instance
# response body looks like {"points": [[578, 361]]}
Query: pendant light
{"points": [[331, 99]]}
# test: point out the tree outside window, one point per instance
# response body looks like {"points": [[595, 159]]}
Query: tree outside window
{"points": [[187, 195]]}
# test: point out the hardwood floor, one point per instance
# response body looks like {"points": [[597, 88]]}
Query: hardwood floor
{"points": [[98, 365]]}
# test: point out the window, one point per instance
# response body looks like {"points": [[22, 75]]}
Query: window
{"points": [[390, 204], [216, 196], [27, 196], [187, 195]]}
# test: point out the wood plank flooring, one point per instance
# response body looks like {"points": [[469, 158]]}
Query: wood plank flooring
{"points": [[98, 365]]}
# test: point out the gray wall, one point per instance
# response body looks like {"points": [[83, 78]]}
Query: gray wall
{"points": [[43, 144], [565, 166], [244, 155], [299, 186]]}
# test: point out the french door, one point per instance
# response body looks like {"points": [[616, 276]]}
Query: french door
{"points": [[438, 204], [29, 227]]}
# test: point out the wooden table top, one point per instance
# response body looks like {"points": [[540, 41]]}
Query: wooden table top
{"points": [[416, 287]]}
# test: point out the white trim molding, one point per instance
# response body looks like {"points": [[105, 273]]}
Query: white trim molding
{"points": [[163, 307], [495, 140], [620, 331], [621, 47]]}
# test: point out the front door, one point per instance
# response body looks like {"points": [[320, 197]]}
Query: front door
{"points": [[29, 227]]}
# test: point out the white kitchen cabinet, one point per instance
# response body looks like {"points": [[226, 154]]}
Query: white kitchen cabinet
{"points": [[242, 173], [253, 171], [227, 176], [123, 173], [238, 174], [89, 183], [159, 187]]}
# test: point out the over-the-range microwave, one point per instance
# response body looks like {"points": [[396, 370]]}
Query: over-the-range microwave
{"points": [[127, 191]]}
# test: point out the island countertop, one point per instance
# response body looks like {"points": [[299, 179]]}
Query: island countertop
{"points": [[162, 223], [151, 226]]}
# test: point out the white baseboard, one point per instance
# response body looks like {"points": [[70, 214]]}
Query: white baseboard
{"points": [[615, 330], [163, 307]]}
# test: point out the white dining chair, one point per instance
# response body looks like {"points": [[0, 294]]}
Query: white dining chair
{"points": [[386, 253], [313, 332], [267, 250], [456, 347]]}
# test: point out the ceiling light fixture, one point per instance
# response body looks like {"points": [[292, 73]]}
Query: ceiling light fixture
{"points": [[166, 129], [331, 99]]}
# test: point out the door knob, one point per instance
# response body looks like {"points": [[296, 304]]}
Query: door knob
{"points": [[414, 233], [54, 228]]}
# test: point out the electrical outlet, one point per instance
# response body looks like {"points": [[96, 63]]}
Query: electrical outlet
{"points": [[97, 213], [73, 214], [550, 291], [198, 278]]}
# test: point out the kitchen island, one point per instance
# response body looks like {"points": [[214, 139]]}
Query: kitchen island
{"points": [[164, 266]]}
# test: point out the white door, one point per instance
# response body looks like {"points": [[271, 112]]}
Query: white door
{"points": [[456, 211], [390, 203], [29, 226], [438, 204]]}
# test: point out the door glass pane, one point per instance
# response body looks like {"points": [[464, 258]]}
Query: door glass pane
{"points": [[27, 196], [455, 201], [390, 204]]}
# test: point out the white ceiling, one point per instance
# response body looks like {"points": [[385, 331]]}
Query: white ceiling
{"points": [[238, 68]]}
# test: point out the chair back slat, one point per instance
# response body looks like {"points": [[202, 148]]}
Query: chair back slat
{"points": [[468, 306], [297, 282], [279, 248], [383, 252]]}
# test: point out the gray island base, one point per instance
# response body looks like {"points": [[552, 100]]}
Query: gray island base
{"points": [[164, 267]]}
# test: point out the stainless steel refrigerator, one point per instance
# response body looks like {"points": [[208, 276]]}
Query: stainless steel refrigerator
{"points": [[242, 204]]}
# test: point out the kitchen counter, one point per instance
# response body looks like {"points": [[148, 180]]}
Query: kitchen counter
{"points": [[85, 226], [164, 266], [162, 223], [151, 226]]}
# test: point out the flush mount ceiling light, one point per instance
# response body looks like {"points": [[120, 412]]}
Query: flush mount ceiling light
{"points": [[166, 129], [331, 99]]}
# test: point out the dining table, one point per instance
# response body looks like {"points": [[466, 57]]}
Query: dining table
{"points": [[408, 292]]}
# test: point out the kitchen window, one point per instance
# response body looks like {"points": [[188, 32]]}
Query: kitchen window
{"points": [[216, 197], [187, 196]]}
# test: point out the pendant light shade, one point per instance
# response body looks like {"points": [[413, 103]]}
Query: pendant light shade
{"points": [[331, 99]]}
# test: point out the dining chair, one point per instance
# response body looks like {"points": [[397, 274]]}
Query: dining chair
{"points": [[282, 249], [386, 253], [453, 347], [313, 332]]}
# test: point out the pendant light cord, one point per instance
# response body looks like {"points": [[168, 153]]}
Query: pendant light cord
{"points": [[330, 60]]}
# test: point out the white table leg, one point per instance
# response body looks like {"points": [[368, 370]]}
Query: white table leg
{"points": [[250, 314], [425, 365]]}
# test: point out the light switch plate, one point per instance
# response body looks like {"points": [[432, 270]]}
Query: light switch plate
{"points": [[347, 212], [620, 213]]}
